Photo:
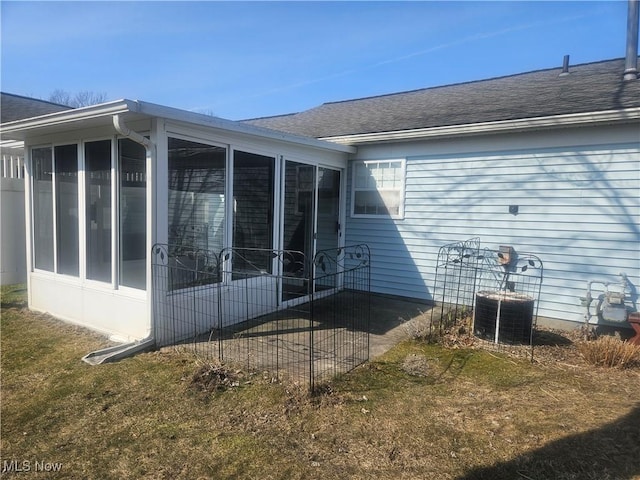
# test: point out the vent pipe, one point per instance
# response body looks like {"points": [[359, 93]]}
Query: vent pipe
{"points": [[565, 66], [631, 59]]}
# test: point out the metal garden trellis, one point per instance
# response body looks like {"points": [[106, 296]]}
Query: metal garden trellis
{"points": [[454, 283], [499, 288]]}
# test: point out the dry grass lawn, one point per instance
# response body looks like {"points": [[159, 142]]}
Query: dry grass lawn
{"points": [[419, 412]]}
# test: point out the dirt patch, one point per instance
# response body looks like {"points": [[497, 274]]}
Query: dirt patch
{"points": [[417, 365], [553, 346], [550, 346], [212, 377]]}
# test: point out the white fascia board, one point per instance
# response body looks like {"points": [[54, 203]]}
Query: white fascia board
{"points": [[185, 116], [556, 121]]}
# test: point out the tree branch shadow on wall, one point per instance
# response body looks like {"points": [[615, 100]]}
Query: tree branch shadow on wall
{"points": [[611, 452]]}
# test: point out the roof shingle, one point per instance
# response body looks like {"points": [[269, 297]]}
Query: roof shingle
{"points": [[16, 107], [589, 87]]}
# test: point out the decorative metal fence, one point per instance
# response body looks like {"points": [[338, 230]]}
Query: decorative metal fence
{"points": [[455, 283], [185, 284], [266, 310], [495, 291]]}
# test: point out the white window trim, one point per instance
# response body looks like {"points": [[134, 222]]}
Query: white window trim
{"points": [[403, 170]]}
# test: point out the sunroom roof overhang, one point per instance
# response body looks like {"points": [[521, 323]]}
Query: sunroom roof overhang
{"points": [[130, 111]]}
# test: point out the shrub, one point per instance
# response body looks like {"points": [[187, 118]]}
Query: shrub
{"points": [[610, 351]]}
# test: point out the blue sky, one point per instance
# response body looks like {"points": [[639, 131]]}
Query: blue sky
{"points": [[250, 59]]}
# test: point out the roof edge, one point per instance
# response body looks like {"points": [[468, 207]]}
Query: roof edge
{"points": [[10, 129], [179, 115], [501, 126], [69, 116]]}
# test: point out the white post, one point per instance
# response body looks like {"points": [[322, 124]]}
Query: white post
{"points": [[497, 334]]}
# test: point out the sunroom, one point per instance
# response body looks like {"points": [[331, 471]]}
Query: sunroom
{"points": [[107, 183]]}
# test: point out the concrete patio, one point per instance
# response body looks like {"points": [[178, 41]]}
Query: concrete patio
{"points": [[284, 344]]}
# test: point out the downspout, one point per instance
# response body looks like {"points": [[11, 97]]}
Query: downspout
{"points": [[122, 129], [118, 352]]}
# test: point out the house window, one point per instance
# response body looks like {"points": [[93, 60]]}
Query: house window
{"points": [[378, 188]]}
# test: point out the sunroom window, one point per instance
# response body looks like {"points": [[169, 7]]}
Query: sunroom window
{"points": [[97, 165], [197, 175], [253, 177], [133, 214], [57, 211], [378, 188], [66, 180], [42, 195]]}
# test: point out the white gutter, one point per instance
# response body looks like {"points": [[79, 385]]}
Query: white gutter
{"points": [[67, 116], [569, 120], [112, 354]]}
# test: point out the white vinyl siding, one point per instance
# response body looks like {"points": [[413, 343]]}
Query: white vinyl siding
{"points": [[578, 210]]}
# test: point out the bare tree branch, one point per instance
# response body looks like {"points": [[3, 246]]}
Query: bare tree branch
{"points": [[83, 98]]}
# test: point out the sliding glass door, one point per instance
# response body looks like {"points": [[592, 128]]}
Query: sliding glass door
{"points": [[298, 228], [328, 228], [311, 224]]}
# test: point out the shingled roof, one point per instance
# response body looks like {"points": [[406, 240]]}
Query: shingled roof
{"points": [[16, 107], [591, 87]]}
